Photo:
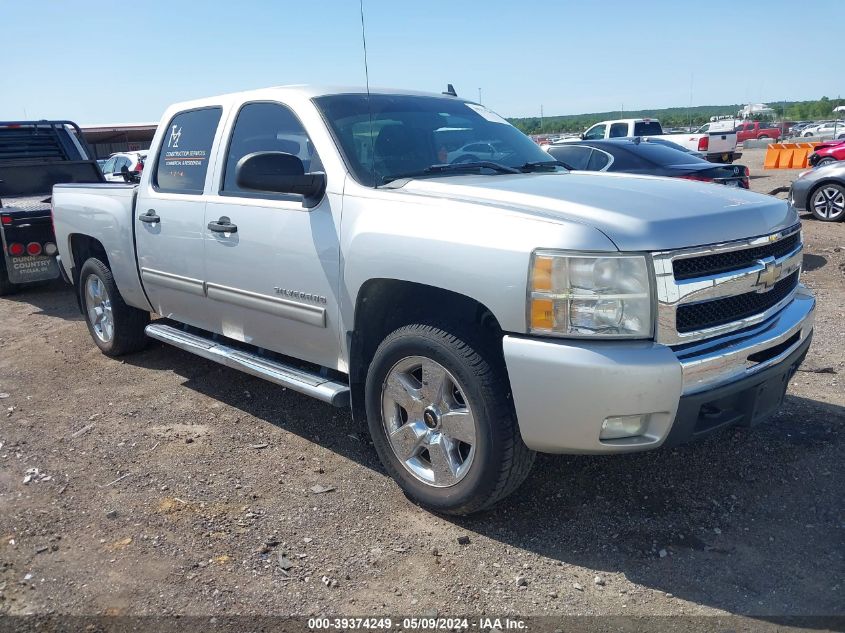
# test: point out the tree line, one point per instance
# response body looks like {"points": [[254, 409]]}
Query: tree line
{"points": [[677, 117]]}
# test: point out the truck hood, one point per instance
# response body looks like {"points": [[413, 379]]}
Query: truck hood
{"points": [[638, 213]]}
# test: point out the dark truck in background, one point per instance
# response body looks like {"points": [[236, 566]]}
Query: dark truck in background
{"points": [[34, 156]]}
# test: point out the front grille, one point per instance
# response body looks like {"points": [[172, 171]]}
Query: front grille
{"points": [[699, 316], [732, 260]]}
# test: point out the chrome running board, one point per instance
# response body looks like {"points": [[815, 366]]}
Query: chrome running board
{"points": [[314, 385]]}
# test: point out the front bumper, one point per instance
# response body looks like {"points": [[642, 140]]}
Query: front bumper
{"points": [[564, 390]]}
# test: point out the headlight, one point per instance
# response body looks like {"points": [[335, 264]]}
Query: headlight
{"points": [[589, 296]]}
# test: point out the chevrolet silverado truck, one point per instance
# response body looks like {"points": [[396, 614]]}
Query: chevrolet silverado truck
{"points": [[757, 130], [35, 155], [718, 146], [473, 312]]}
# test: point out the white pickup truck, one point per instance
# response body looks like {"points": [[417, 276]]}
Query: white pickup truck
{"points": [[718, 145], [472, 311]]}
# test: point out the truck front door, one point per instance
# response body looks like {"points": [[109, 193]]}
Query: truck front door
{"points": [[272, 279], [170, 216]]}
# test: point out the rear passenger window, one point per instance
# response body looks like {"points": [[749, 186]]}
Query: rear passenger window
{"points": [[267, 127], [618, 130], [576, 156], [186, 150], [598, 161]]}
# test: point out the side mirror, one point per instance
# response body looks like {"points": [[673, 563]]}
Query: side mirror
{"points": [[581, 136], [130, 176], [279, 172]]}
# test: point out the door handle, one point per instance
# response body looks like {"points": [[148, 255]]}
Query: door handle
{"points": [[223, 225], [149, 217]]}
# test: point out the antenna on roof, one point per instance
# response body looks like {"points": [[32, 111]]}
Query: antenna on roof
{"points": [[450, 90], [369, 103]]}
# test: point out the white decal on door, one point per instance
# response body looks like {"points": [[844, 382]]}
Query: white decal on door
{"points": [[175, 133]]}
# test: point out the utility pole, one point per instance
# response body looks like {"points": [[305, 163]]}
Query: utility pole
{"points": [[691, 75]]}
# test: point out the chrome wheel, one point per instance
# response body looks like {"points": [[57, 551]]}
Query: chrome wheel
{"points": [[429, 424], [98, 306], [829, 202]]}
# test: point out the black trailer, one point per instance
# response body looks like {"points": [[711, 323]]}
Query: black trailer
{"points": [[34, 156]]}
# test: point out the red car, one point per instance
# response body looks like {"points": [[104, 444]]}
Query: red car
{"points": [[827, 153], [757, 130]]}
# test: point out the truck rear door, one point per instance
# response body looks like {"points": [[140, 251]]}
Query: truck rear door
{"points": [[170, 214]]}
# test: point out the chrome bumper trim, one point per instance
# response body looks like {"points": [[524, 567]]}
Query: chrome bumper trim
{"points": [[718, 361]]}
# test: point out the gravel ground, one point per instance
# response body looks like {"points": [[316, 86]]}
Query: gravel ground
{"points": [[166, 484]]}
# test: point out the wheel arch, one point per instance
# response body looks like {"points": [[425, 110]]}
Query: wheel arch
{"points": [[82, 247], [384, 305]]}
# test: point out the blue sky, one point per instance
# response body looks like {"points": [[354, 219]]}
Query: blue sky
{"points": [[105, 62]]}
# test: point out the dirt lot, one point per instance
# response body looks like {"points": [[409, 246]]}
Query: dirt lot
{"points": [[167, 484]]}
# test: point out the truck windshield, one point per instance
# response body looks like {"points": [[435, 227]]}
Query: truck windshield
{"points": [[394, 136]]}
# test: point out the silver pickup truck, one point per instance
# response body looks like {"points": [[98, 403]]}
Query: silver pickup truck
{"points": [[474, 308]]}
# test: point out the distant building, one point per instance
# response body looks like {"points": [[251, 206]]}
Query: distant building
{"points": [[754, 110], [109, 138]]}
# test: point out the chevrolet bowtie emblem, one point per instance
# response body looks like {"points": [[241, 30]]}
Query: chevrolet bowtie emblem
{"points": [[769, 276]]}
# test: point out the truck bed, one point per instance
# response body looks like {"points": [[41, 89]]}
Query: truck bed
{"points": [[25, 203], [107, 211]]}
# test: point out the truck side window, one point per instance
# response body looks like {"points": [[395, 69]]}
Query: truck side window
{"points": [[618, 129], [595, 133], [119, 163], [267, 127], [185, 151]]}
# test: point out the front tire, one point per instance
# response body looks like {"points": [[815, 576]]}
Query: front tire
{"points": [[827, 202], [442, 420], [825, 161], [116, 328]]}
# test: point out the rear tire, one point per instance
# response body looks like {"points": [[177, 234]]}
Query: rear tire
{"points": [[116, 328], [442, 419]]}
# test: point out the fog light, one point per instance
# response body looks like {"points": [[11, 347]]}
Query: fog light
{"points": [[620, 426]]}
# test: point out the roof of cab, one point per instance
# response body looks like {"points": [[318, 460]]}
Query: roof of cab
{"points": [[306, 91]]}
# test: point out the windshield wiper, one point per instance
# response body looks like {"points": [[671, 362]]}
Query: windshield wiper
{"points": [[456, 168], [544, 165]]}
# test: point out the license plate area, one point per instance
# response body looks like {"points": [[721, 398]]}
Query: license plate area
{"points": [[768, 398]]}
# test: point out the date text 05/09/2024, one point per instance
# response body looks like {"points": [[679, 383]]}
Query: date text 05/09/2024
{"points": [[417, 623]]}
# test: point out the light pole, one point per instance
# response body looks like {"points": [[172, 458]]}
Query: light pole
{"points": [[479, 95]]}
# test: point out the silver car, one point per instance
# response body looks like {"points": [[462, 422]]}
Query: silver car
{"points": [[821, 191]]}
